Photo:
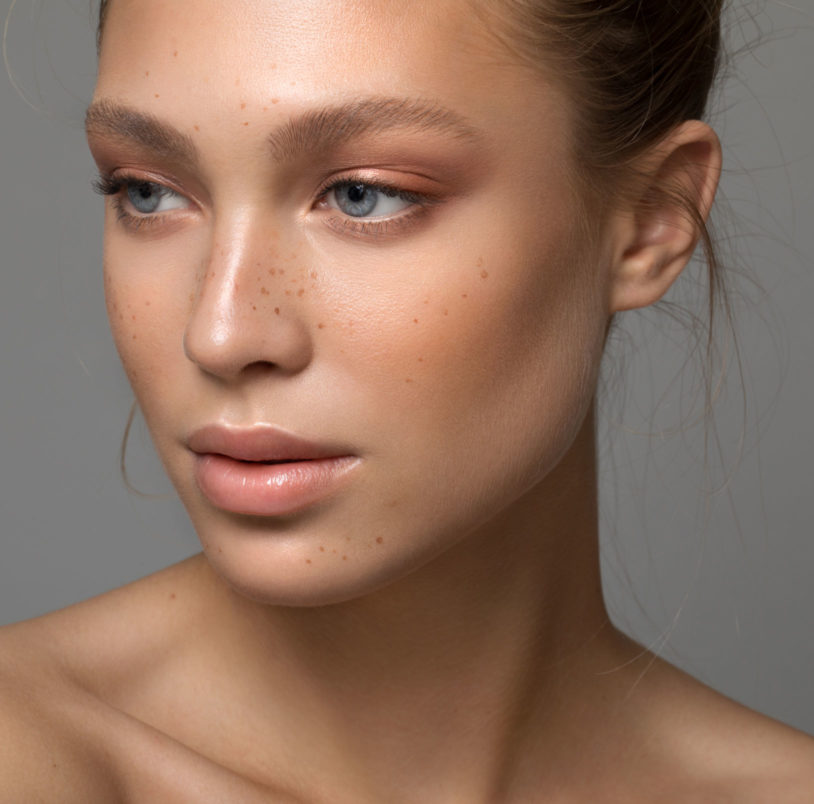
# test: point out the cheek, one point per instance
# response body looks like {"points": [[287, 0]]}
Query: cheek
{"points": [[503, 328], [475, 386], [146, 309]]}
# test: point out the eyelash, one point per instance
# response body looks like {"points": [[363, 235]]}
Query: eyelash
{"points": [[347, 224], [109, 185], [113, 185]]}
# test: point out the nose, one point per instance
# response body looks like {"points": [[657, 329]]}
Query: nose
{"points": [[239, 318]]}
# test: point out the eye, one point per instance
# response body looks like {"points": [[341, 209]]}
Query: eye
{"points": [[149, 198], [360, 200]]}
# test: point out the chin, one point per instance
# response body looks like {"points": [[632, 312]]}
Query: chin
{"points": [[273, 570]]}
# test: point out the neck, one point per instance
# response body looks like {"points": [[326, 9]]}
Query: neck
{"points": [[450, 668]]}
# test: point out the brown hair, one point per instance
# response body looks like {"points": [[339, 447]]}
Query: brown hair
{"points": [[638, 69]]}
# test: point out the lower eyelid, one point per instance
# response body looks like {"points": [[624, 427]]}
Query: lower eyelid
{"points": [[377, 227]]}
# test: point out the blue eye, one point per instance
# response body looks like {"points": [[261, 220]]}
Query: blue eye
{"points": [[359, 200], [147, 196]]}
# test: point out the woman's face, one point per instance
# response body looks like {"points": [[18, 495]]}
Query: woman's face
{"points": [[354, 223]]}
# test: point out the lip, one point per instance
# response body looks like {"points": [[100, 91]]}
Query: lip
{"points": [[234, 469]]}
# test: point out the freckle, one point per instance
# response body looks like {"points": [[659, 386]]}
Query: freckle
{"points": [[288, 293], [307, 560], [415, 320], [242, 105], [379, 540], [321, 326], [272, 272], [264, 291], [426, 301], [147, 304], [408, 381], [347, 538], [313, 274], [172, 596], [192, 297], [246, 124], [334, 551], [446, 312], [276, 311], [275, 100], [237, 82], [420, 359], [300, 292], [146, 73], [484, 275], [175, 55], [321, 549], [344, 558], [135, 337], [254, 307], [157, 95], [479, 263], [464, 295], [265, 108], [133, 317], [282, 271], [197, 128]]}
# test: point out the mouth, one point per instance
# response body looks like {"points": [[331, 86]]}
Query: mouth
{"points": [[265, 471]]}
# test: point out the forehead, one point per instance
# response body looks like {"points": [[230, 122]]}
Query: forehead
{"points": [[189, 54]]}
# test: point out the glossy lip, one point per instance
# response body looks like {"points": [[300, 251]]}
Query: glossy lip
{"points": [[265, 471]]}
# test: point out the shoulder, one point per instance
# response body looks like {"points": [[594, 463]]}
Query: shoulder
{"points": [[60, 732], [722, 751], [759, 759], [44, 755]]}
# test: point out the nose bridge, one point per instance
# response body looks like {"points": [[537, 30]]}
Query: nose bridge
{"points": [[238, 317]]}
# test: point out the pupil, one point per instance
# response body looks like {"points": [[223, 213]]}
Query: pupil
{"points": [[145, 190], [356, 193]]}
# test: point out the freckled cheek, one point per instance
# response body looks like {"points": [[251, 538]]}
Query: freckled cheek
{"points": [[498, 330], [146, 321]]}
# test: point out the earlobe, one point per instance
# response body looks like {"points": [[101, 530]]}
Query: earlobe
{"points": [[656, 235]]}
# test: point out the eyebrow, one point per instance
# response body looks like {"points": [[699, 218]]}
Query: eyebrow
{"points": [[104, 118], [322, 129], [314, 131]]}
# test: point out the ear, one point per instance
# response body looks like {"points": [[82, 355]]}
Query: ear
{"points": [[656, 234]]}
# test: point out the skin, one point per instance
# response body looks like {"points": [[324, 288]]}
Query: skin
{"points": [[434, 630]]}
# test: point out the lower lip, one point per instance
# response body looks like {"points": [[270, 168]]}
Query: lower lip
{"points": [[262, 489]]}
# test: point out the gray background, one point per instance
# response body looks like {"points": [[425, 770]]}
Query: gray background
{"points": [[709, 560]]}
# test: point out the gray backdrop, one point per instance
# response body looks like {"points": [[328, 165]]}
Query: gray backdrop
{"points": [[708, 559]]}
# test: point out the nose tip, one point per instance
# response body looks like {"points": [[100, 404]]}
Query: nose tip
{"points": [[235, 324], [228, 345]]}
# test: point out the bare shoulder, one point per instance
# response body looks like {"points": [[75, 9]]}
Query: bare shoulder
{"points": [[102, 635], [39, 762], [757, 759], [61, 738], [724, 751]]}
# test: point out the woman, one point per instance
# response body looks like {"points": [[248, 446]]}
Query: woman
{"points": [[361, 260]]}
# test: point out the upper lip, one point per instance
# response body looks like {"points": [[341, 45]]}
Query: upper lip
{"points": [[259, 443]]}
